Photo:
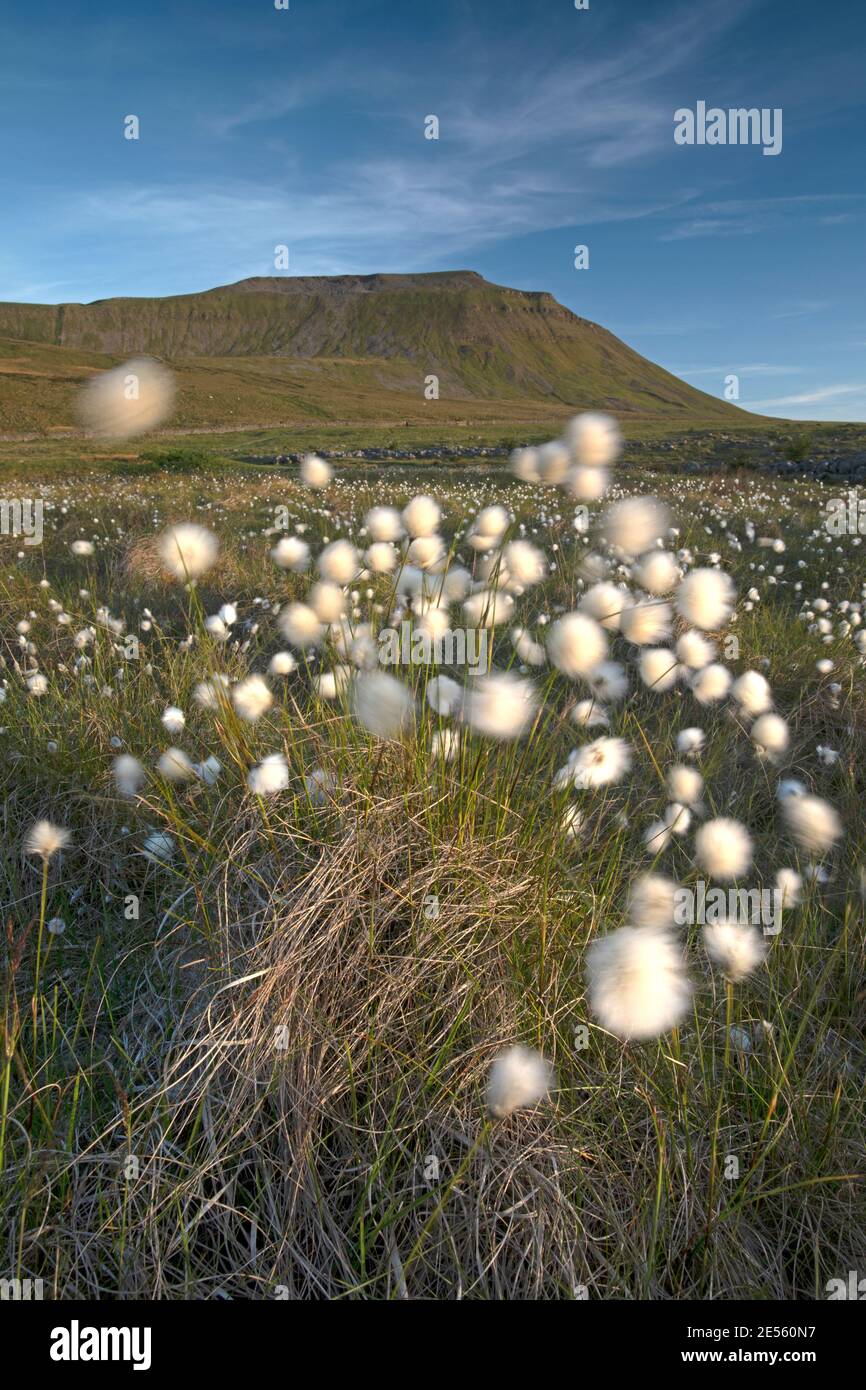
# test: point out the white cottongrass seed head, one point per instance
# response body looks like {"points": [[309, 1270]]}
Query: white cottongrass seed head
{"points": [[576, 644], [129, 775], [705, 598], [770, 734], [500, 705], [634, 524], [421, 516], [519, 1077], [300, 625], [813, 823], [339, 562], [638, 985], [129, 400], [735, 947], [723, 848], [252, 698], [684, 784], [271, 776], [601, 762], [291, 553], [315, 472], [46, 839], [752, 693], [594, 439], [173, 719], [382, 704], [188, 550], [652, 900], [175, 766]]}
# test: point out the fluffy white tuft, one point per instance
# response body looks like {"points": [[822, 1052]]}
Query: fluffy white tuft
{"points": [[657, 572], [46, 839], [634, 524], [187, 550], [659, 668], [576, 644], [705, 598], [383, 524], [737, 949], [695, 650], [173, 719], [128, 400], [291, 553], [597, 764], [499, 706], [327, 601], [609, 682], [252, 698], [594, 439], [813, 822], [443, 695], [421, 516], [752, 693], [711, 683], [382, 704], [684, 784], [652, 901], [587, 714], [315, 472], [129, 775], [646, 623], [770, 734], [724, 848], [638, 986], [381, 557], [605, 603], [518, 1078], [525, 563], [175, 766], [690, 740], [282, 664], [587, 484], [339, 562], [271, 776], [300, 626], [790, 885]]}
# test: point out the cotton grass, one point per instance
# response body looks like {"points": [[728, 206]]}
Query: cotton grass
{"points": [[637, 981], [128, 401], [724, 848], [519, 1078], [188, 551]]}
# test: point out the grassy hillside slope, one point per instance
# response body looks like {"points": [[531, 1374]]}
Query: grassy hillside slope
{"points": [[268, 351]]}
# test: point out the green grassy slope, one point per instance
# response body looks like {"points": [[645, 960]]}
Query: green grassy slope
{"points": [[343, 347]]}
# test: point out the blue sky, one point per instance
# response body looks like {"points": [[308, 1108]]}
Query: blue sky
{"points": [[305, 127]]}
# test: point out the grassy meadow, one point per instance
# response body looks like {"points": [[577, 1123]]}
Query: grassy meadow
{"points": [[248, 1029]]}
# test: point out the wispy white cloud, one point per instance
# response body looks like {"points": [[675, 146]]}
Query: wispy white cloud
{"points": [[746, 369], [735, 217], [375, 215], [714, 226], [823, 393], [801, 308], [535, 153]]}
